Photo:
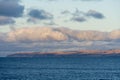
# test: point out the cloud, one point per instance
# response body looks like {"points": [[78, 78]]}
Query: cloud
{"points": [[45, 39], [11, 8], [80, 16], [40, 14], [6, 20], [78, 19], [115, 34], [58, 34], [95, 14], [35, 34]]}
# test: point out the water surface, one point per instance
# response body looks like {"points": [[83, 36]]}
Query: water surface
{"points": [[61, 68]]}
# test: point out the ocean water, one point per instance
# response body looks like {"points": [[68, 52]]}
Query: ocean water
{"points": [[61, 68]]}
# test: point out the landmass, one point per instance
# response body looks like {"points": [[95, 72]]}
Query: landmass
{"points": [[66, 53]]}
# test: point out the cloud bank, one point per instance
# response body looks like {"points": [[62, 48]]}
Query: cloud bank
{"points": [[35, 34], [59, 34], [45, 39]]}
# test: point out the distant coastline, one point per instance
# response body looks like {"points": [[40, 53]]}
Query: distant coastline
{"points": [[66, 53]]}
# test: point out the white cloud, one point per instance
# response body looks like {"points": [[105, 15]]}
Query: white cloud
{"points": [[58, 34], [35, 34], [115, 34]]}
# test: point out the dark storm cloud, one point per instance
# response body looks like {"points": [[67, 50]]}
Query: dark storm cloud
{"points": [[95, 14], [6, 20], [11, 8], [40, 14]]}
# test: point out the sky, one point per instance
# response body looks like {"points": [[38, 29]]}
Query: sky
{"points": [[58, 25], [103, 15]]}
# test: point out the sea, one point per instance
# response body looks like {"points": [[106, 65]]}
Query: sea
{"points": [[60, 68]]}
